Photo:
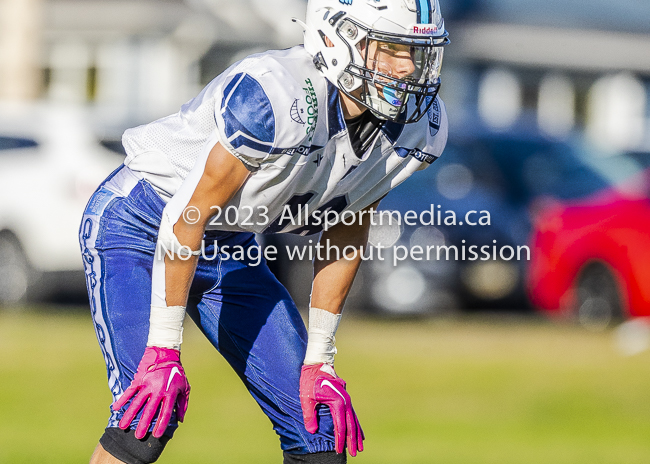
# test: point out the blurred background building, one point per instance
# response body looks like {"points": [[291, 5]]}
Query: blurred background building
{"points": [[131, 61], [75, 73], [572, 64], [569, 63]]}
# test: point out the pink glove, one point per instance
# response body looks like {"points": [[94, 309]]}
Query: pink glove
{"points": [[320, 385], [159, 382]]}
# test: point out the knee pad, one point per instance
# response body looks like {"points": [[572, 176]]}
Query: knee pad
{"points": [[327, 457], [123, 445]]}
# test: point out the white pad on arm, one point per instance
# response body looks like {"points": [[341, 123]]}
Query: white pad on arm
{"points": [[320, 344], [169, 242], [166, 327]]}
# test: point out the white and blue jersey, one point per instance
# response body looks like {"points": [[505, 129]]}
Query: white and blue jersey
{"points": [[279, 115]]}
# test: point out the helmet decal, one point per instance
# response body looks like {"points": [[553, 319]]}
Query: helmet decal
{"points": [[424, 11]]}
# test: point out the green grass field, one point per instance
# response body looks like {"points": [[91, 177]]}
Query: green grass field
{"points": [[470, 390]]}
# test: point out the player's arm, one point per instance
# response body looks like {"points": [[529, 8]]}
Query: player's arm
{"points": [[160, 384], [333, 278], [319, 383], [222, 178]]}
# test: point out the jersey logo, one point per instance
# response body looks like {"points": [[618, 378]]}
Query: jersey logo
{"points": [[295, 113], [434, 118], [415, 153], [304, 150], [319, 158], [312, 109], [346, 2]]}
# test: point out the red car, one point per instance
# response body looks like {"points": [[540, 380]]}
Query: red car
{"points": [[591, 259]]}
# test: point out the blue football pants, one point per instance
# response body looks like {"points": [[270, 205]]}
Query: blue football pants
{"points": [[240, 307]]}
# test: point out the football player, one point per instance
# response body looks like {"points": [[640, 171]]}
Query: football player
{"points": [[277, 141]]}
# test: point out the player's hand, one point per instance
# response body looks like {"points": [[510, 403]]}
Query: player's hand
{"points": [[159, 382], [320, 385]]}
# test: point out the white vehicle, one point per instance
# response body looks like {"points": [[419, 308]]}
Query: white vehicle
{"points": [[50, 163]]}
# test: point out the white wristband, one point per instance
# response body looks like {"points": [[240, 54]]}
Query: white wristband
{"points": [[320, 344], [166, 327]]}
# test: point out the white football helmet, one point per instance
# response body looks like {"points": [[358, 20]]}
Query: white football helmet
{"points": [[357, 44]]}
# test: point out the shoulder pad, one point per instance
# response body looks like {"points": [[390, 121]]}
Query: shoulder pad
{"points": [[264, 109]]}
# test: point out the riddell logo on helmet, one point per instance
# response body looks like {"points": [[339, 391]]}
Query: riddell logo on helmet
{"points": [[425, 29]]}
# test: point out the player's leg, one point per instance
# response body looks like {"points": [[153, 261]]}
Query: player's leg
{"points": [[118, 237], [250, 317], [101, 456], [131, 450], [127, 449]]}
